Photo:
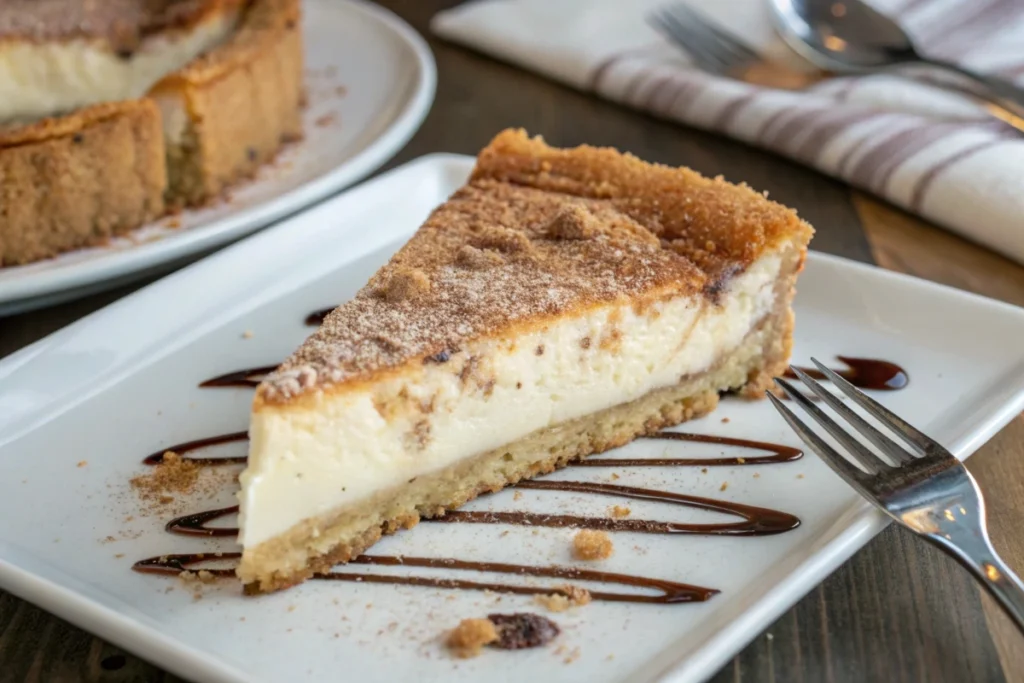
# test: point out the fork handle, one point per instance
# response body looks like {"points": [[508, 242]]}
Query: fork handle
{"points": [[1006, 98], [973, 549]]}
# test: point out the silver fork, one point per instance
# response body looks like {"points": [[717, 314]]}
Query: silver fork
{"points": [[927, 490], [711, 48]]}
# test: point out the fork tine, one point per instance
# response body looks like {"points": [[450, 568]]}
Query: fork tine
{"points": [[880, 440], [838, 463], [726, 39], [697, 46], [913, 437], [871, 462]]}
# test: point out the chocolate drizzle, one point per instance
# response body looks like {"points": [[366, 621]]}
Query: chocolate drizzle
{"points": [[189, 446], [249, 377], [865, 373], [669, 592], [316, 318]]}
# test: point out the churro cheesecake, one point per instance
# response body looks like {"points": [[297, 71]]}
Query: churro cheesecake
{"points": [[93, 91], [561, 303]]}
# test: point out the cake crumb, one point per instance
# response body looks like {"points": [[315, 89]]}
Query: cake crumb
{"points": [[724, 486], [725, 420], [83, 463], [573, 656], [592, 545], [570, 596], [741, 460], [799, 476], [757, 475], [201, 576], [619, 511], [118, 556], [703, 470], [467, 639], [614, 476], [517, 495], [247, 334]]}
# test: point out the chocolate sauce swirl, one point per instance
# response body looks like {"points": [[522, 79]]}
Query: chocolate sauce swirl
{"points": [[865, 373], [316, 318], [669, 592]]}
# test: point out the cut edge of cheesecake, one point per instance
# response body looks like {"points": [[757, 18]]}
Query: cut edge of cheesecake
{"points": [[231, 111], [562, 303]]}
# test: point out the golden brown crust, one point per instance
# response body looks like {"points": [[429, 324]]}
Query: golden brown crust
{"points": [[123, 22], [715, 224], [538, 233], [66, 184], [243, 102]]}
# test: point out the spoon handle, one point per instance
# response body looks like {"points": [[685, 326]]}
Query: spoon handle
{"points": [[1005, 99]]}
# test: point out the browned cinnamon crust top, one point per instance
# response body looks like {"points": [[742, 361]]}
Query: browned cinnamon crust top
{"points": [[123, 22], [538, 233]]}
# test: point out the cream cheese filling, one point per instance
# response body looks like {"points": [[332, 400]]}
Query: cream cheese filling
{"points": [[39, 79], [310, 461]]}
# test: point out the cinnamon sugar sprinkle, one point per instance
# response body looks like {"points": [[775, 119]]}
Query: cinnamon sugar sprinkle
{"points": [[536, 234], [173, 475]]}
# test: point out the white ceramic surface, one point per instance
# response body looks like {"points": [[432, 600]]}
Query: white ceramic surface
{"points": [[370, 80], [122, 383]]}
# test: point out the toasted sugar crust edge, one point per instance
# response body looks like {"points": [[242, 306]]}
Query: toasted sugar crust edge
{"points": [[606, 173], [76, 122]]}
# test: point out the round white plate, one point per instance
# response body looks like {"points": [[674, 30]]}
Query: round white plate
{"points": [[370, 79]]}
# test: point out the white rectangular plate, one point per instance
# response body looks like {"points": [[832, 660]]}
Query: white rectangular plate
{"points": [[80, 409]]}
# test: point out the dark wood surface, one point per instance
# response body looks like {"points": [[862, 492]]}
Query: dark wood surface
{"points": [[898, 611]]}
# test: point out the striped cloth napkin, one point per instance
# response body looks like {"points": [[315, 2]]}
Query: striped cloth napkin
{"points": [[933, 152]]}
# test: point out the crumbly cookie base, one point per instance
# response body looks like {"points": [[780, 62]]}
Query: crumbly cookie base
{"points": [[315, 545]]}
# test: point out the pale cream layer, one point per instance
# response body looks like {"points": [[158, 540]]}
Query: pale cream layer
{"points": [[305, 462], [39, 79]]}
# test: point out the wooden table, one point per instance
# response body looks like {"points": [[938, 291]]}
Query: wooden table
{"points": [[898, 611]]}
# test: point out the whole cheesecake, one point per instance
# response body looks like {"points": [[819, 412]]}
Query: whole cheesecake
{"points": [[112, 112]]}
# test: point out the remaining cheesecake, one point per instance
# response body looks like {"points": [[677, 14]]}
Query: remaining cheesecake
{"points": [[560, 304], [219, 81]]}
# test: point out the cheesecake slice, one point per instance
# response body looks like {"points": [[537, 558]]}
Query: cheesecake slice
{"points": [[561, 303]]}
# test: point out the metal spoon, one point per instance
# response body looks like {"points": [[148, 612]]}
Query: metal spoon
{"points": [[849, 36]]}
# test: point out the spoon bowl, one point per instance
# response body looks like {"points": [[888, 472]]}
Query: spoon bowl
{"points": [[849, 36], [842, 35]]}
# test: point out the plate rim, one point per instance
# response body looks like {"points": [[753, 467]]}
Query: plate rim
{"points": [[51, 286], [863, 521]]}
